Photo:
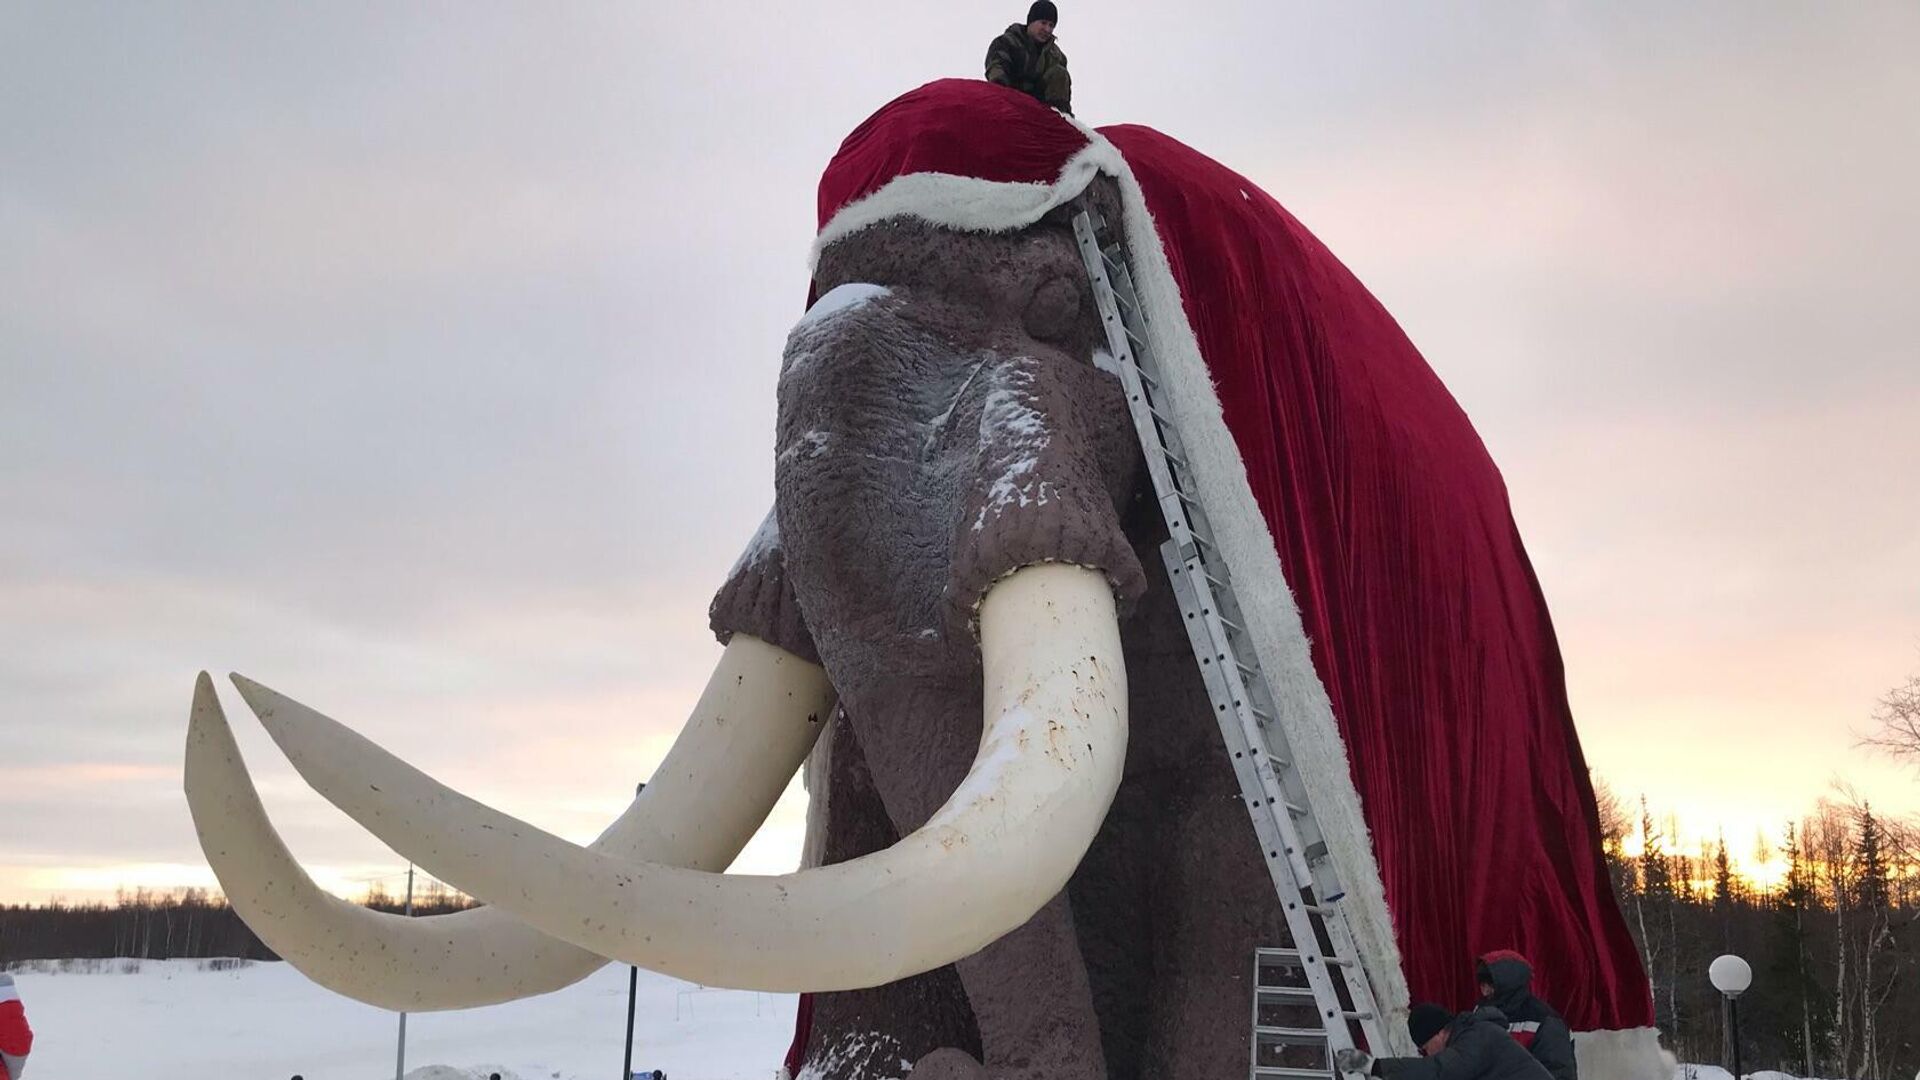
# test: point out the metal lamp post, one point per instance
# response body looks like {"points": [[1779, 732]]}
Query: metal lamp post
{"points": [[400, 1051], [1731, 976], [633, 986]]}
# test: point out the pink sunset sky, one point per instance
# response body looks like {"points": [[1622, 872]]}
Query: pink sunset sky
{"points": [[420, 364]]}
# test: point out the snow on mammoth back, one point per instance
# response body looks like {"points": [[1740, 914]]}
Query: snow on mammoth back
{"points": [[1368, 533]]}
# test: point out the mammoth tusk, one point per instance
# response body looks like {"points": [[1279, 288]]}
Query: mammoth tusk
{"points": [[758, 717], [1004, 843]]}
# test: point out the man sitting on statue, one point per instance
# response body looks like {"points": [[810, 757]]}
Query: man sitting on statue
{"points": [[1028, 58]]}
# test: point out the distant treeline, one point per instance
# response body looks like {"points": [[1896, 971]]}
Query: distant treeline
{"points": [[1834, 944], [164, 925]]}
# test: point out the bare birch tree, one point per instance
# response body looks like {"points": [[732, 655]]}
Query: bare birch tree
{"points": [[1897, 723], [1829, 838]]}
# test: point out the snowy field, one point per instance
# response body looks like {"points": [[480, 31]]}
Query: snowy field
{"points": [[181, 1020], [176, 1020]]}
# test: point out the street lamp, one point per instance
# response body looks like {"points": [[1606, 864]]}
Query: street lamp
{"points": [[1731, 976]]}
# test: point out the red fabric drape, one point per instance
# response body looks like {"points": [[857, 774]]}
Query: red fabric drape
{"points": [[802, 1033], [1428, 626]]}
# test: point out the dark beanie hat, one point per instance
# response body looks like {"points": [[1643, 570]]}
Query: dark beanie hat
{"points": [[1043, 9], [1426, 1020]]}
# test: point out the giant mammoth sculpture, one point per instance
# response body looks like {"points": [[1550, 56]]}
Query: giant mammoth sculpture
{"points": [[1027, 854]]}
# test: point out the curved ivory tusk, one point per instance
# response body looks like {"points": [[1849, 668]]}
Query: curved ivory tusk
{"points": [[1003, 845], [755, 723]]}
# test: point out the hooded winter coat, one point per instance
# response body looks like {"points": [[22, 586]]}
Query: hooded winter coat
{"points": [[1533, 1023], [1478, 1048], [1015, 59]]}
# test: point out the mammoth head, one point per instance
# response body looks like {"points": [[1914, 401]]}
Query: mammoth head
{"points": [[948, 414]]}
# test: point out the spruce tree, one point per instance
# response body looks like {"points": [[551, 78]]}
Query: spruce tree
{"points": [[1871, 892], [1724, 893], [1801, 1023]]}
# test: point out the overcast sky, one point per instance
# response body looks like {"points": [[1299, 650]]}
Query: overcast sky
{"points": [[419, 362]]}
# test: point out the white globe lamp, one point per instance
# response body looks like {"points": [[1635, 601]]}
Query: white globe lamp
{"points": [[1731, 976]]}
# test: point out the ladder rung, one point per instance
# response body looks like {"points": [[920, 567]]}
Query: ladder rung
{"points": [[1277, 1072], [1272, 994], [1292, 1034], [1292, 958]]}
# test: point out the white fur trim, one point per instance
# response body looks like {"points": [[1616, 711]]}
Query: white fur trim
{"points": [[1274, 623], [968, 204], [1630, 1054], [1273, 620]]}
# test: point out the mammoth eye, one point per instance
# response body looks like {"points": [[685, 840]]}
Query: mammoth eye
{"points": [[1054, 309]]}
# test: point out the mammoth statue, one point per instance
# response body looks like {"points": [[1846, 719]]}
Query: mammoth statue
{"points": [[1027, 854]]}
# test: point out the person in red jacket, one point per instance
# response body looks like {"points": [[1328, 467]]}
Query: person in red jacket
{"points": [[16, 1038], [1506, 983]]}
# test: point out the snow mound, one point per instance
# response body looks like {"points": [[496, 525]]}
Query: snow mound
{"points": [[448, 1072], [1715, 1072], [841, 298]]}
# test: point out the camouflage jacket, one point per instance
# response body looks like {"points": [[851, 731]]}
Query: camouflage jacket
{"points": [[1016, 60]]}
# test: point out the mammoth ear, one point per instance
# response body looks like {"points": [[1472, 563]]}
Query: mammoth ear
{"points": [[757, 599], [1043, 485]]}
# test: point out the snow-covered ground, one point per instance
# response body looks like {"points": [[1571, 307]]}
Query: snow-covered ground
{"points": [[187, 1020], [1715, 1072], [177, 1020]]}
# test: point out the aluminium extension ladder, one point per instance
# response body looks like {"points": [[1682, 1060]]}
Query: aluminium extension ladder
{"points": [[1309, 998]]}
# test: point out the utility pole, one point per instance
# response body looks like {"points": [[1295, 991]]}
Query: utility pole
{"points": [[400, 1054]]}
